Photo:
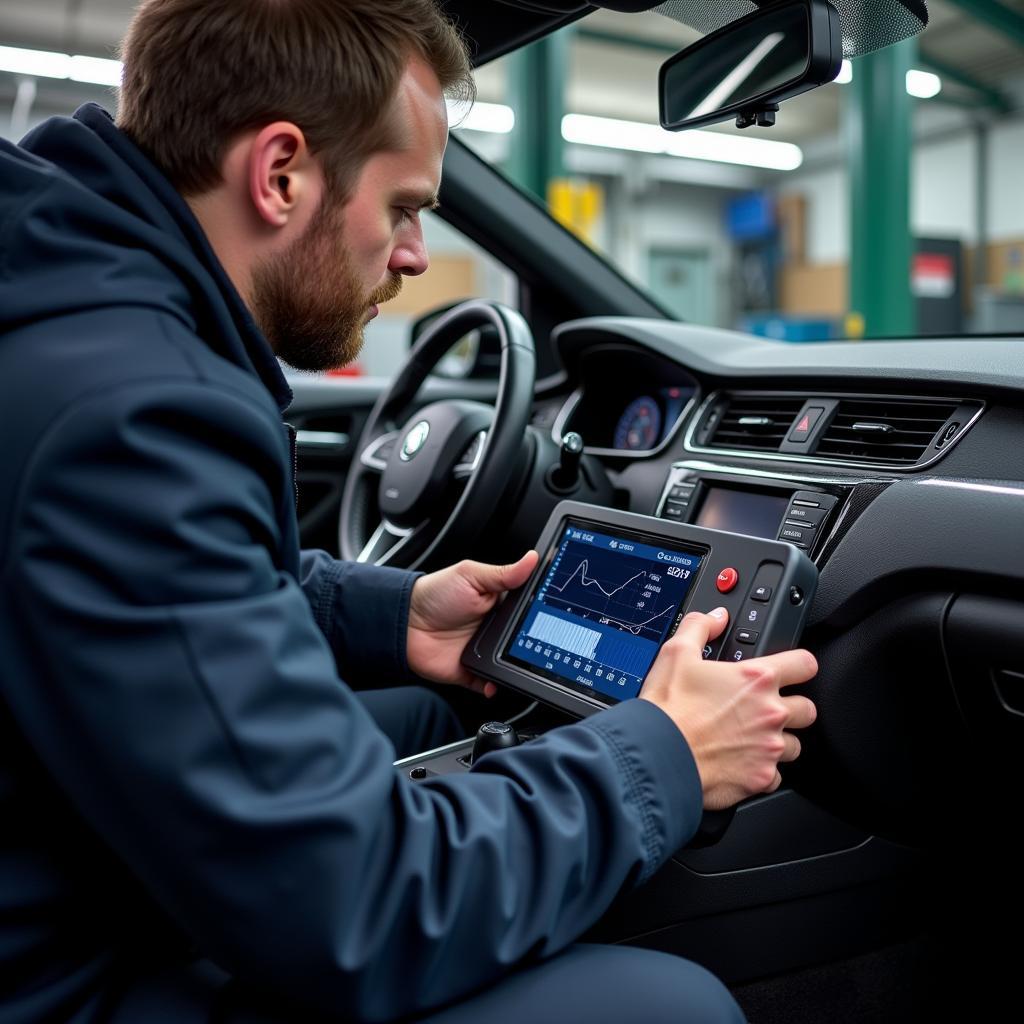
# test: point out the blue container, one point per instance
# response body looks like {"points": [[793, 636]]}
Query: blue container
{"points": [[786, 328], [750, 217]]}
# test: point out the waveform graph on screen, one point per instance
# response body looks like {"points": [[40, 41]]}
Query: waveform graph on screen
{"points": [[603, 610], [614, 589]]}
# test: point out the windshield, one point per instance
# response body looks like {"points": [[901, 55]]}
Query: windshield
{"points": [[867, 211]]}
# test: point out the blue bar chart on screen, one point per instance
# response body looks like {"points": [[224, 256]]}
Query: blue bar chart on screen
{"points": [[605, 606]]}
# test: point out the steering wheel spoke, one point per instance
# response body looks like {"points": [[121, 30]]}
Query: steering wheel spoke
{"points": [[376, 454], [466, 466], [389, 541]]}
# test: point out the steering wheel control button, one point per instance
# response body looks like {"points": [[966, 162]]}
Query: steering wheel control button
{"points": [[419, 772], [745, 636], [707, 652], [751, 616], [796, 595], [761, 593], [727, 580]]}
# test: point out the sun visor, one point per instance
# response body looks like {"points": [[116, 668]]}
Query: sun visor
{"points": [[868, 25]]}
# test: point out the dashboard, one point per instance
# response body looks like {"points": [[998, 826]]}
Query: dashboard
{"points": [[896, 467], [632, 401]]}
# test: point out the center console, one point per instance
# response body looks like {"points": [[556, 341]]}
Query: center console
{"points": [[802, 510]]}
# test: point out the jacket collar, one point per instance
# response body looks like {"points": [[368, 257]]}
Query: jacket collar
{"points": [[261, 356]]}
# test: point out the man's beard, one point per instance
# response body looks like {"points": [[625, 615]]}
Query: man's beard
{"points": [[307, 300]]}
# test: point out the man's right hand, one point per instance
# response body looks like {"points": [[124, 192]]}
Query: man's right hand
{"points": [[732, 714]]}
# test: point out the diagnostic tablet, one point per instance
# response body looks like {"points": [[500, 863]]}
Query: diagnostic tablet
{"points": [[611, 587]]}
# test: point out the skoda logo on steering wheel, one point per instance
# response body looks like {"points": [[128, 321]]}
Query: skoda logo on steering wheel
{"points": [[414, 440]]}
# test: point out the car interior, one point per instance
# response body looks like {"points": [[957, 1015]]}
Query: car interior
{"points": [[865, 888], [877, 883]]}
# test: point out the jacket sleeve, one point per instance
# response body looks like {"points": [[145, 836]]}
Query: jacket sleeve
{"points": [[363, 611], [184, 698]]}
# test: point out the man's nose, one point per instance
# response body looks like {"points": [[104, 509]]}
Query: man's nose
{"points": [[409, 257]]}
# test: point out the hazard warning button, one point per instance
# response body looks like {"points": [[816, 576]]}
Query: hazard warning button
{"points": [[804, 425]]}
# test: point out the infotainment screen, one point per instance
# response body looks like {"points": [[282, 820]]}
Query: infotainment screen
{"points": [[605, 604], [755, 513]]}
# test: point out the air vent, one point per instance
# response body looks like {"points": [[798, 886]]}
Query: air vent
{"points": [[891, 432], [756, 423]]}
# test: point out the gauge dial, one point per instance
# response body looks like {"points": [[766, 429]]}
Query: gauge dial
{"points": [[639, 427]]}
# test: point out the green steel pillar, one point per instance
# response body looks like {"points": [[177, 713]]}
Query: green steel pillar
{"points": [[878, 139], [537, 95]]}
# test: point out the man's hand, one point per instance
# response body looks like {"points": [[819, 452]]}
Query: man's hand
{"points": [[445, 609], [732, 715]]}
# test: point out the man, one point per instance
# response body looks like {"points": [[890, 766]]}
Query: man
{"points": [[201, 818]]}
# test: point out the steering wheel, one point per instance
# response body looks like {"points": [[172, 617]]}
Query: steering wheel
{"points": [[422, 492]]}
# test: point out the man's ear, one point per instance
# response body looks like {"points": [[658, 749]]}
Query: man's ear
{"points": [[282, 173]]}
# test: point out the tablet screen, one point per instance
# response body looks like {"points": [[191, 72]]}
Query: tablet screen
{"points": [[605, 604]]}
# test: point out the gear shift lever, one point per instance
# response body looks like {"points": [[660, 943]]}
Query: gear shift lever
{"points": [[565, 476], [493, 736]]}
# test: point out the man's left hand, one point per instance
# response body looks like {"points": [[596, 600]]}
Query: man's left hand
{"points": [[444, 611]]}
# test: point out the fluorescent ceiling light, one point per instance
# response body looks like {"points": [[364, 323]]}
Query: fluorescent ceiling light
{"points": [[697, 145], [44, 64], [481, 117], [96, 70], [39, 63], [923, 84]]}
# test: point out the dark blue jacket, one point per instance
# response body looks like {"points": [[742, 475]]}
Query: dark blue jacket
{"points": [[183, 773]]}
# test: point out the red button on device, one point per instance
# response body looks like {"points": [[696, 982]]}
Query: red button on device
{"points": [[727, 579]]}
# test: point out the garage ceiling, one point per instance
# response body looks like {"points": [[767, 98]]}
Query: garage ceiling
{"points": [[614, 62]]}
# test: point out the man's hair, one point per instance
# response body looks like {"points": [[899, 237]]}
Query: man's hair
{"points": [[197, 73]]}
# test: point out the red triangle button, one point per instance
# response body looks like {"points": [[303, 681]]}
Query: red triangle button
{"points": [[804, 425]]}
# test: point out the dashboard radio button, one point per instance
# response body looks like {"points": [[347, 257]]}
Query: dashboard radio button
{"points": [[727, 580], [815, 499], [796, 534], [808, 516]]}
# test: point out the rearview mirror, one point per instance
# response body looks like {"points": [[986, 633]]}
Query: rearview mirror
{"points": [[745, 69]]}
